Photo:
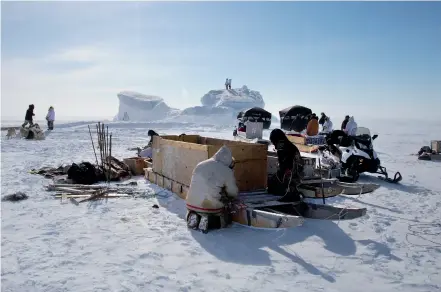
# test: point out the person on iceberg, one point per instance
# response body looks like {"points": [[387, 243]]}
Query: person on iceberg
{"points": [[327, 126], [29, 116], [226, 83], [289, 173], [344, 123], [312, 128], [50, 118], [229, 83], [351, 127], [212, 188]]}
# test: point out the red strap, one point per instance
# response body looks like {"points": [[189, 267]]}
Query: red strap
{"points": [[204, 209]]}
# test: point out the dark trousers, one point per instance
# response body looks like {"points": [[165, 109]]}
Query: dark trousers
{"points": [[50, 125]]}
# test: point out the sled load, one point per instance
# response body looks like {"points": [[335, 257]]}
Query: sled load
{"points": [[176, 157], [256, 114], [294, 118], [431, 153], [33, 132]]}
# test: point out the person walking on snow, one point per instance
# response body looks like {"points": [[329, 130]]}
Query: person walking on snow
{"points": [[229, 83], [226, 83], [28, 116], [212, 188], [50, 118]]}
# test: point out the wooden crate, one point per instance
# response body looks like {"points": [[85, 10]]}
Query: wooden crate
{"points": [[136, 165], [175, 157], [436, 146]]}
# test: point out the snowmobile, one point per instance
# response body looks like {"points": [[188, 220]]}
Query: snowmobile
{"points": [[357, 155]]}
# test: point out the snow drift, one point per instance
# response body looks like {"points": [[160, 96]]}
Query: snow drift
{"points": [[218, 107]]}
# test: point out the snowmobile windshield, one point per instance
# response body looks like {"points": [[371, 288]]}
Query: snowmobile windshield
{"points": [[363, 131]]}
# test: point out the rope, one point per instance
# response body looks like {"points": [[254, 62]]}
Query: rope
{"points": [[421, 233]]}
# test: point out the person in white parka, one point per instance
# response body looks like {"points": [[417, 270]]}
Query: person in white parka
{"points": [[327, 126], [351, 127], [50, 117], [212, 185]]}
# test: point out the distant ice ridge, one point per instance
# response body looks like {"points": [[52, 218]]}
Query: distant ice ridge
{"points": [[219, 107]]}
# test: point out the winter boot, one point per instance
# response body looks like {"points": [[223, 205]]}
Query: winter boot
{"points": [[203, 224], [193, 220]]}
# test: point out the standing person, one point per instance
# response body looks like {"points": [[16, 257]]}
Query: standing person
{"points": [[322, 119], [351, 127], [226, 83], [344, 123], [327, 126], [50, 118], [229, 83], [28, 116]]}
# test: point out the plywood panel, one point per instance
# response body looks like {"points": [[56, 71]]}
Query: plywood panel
{"points": [[180, 158], [177, 159]]}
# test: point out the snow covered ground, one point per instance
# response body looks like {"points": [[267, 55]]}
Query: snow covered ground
{"points": [[126, 245]]}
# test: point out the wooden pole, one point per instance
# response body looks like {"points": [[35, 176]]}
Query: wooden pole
{"points": [[93, 146]]}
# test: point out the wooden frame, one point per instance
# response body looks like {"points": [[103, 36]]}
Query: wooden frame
{"points": [[175, 157]]}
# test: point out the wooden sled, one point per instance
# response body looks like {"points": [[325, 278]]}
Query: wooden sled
{"points": [[357, 188], [262, 210], [68, 196], [313, 188]]}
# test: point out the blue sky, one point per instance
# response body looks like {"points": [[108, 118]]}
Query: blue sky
{"points": [[361, 58]]}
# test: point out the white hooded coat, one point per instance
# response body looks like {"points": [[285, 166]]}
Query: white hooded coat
{"points": [[351, 127], [327, 126], [50, 115], [211, 179]]}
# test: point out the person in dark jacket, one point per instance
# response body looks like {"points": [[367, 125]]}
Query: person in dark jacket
{"points": [[151, 134], [344, 123], [290, 168], [322, 119], [29, 116]]}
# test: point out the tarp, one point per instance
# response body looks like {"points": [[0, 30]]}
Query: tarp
{"points": [[294, 118], [256, 114]]}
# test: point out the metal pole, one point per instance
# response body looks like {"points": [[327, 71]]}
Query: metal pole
{"points": [[321, 180]]}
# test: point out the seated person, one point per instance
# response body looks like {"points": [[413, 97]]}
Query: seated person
{"points": [[212, 189], [312, 128], [290, 171]]}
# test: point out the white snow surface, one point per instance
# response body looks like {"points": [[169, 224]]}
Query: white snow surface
{"points": [[219, 107], [126, 245]]}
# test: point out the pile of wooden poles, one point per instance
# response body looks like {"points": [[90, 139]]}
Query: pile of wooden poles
{"points": [[105, 148]]}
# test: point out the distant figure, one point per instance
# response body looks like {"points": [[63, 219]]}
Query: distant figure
{"points": [[344, 123], [229, 83], [312, 128], [226, 83], [327, 126], [322, 119], [50, 118], [29, 116], [351, 127]]}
